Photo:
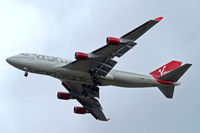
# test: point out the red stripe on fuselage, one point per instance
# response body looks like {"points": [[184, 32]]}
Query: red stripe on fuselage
{"points": [[163, 81]]}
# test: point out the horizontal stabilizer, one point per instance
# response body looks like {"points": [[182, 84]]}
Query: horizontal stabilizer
{"points": [[176, 74], [167, 91], [172, 76]]}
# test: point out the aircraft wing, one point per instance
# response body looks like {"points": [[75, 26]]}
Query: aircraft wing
{"points": [[139, 31], [91, 104], [101, 61]]}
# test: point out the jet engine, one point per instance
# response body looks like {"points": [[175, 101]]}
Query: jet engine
{"points": [[81, 56], [64, 96], [112, 40], [80, 110]]}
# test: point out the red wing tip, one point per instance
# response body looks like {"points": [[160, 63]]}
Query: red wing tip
{"points": [[108, 119], [159, 19]]}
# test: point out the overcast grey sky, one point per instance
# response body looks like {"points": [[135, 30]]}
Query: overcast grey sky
{"points": [[61, 28]]}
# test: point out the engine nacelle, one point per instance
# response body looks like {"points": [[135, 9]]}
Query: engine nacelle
{"points": [[80, 110], [113, 41], [64, 96], [81, 56]]}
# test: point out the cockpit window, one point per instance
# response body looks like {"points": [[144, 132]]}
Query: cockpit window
{"points": [[24, 54]]}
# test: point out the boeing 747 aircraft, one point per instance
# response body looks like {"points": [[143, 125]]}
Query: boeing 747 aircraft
{"points": [[83, 76]]}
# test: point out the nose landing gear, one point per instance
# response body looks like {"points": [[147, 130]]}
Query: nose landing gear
{"points": [[26, 72]]}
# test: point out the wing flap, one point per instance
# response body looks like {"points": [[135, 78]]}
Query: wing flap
{"points": [[104, 67], [124, 49]]}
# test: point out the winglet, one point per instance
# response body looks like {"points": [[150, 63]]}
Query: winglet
{"points": [[108, 119], [159, 19]]}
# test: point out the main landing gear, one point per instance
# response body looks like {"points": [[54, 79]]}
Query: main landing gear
{"points": [[93, 90]]}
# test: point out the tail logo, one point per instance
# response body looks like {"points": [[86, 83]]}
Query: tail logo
{"points": [[162, 71]]}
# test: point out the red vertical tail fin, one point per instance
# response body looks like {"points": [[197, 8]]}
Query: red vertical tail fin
{"points": [[166, 68], [168, 75]]}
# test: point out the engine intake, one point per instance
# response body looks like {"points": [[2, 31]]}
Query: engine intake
{"points": [[81, 56], [64, 96], [80, 110], [113, 40]]}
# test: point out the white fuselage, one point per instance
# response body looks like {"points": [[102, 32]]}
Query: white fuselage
{"points": [[53, 66]]}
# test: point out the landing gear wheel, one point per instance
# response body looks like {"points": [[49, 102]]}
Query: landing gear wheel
{"points": [[95, 88], [26, 74], [97, 81], [85, 93]]}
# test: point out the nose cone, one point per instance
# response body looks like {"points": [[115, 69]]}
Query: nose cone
{"points": [[9, 60], [13, 61], [19, 61]]}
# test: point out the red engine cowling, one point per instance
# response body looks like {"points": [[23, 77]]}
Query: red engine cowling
{"points": [[63, 96], [112, 40], [81, 56], [80, 110]]}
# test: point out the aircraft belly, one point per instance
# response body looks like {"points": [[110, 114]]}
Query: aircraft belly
{"points": [[116, 78], [54, 70], [73, 76], [125, 79]]}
